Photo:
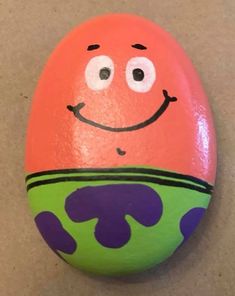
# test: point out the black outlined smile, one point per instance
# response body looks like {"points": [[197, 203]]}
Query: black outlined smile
{"points": [[76, 111]]}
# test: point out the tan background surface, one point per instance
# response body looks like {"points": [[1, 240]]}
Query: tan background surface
{"points": [[29, 30]]}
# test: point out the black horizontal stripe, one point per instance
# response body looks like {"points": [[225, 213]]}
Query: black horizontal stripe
{"points": [[118, 178], [133, 170]]}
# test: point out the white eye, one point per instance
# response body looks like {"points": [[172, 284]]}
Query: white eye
{"points": [[140, 74], [99, 72]]}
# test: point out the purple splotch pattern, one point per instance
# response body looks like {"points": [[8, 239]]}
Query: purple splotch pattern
{"points": [[110, 204], [54, 234], [190, 221]]}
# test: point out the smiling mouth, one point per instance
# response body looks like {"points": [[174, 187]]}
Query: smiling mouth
{"points": [[76, 111]]}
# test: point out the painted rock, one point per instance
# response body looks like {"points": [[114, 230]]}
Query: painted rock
{"points": [[120, 152]]}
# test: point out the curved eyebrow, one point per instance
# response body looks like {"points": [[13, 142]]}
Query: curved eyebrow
{"points": [[139, 46], [93, 46]]}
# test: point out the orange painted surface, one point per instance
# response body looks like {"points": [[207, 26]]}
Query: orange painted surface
{"points": [[181, 140]]}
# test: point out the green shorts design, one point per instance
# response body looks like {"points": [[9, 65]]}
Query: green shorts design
{"points": [[116, 220]]}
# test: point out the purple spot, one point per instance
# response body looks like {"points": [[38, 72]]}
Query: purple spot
{"points": [[112, 233], [110, 204], [190, 221], [54, 234]]}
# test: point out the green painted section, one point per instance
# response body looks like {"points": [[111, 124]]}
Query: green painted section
{"points": [[148, 245]]}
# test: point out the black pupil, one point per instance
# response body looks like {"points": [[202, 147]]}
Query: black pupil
{"points": [[104, 73], [138, 74]]}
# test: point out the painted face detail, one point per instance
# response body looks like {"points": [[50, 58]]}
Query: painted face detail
{"points": [[99, 72], [76, 111], [140, 76], [120, 154]]}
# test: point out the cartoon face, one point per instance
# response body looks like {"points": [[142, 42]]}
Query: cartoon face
{"points": [[120, 153], [140, 76], [106, 95]]}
